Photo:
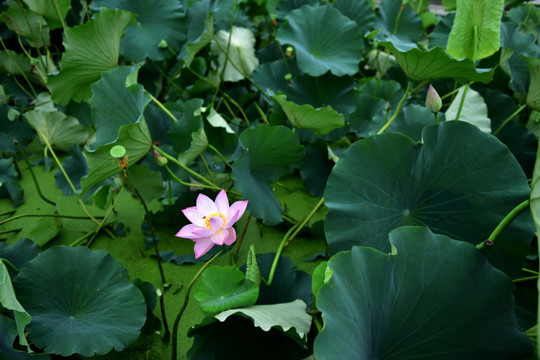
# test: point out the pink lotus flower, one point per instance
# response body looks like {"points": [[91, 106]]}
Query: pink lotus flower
{"points": [[212, 222]]}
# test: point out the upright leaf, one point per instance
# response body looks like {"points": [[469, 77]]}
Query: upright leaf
{"points": [[266, 154], [473, 109], [53, 11], [157, 21], [476, 30], [91, 49]]}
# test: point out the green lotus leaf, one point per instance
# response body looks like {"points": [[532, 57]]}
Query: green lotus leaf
{"points": [[315, 167], [91, 49], [413, 303], [473, 110], [266, 154], [336, 47], [200, 29], [8, 299], [533, 95], [439, 35], [14, 63], [180, 133], [359, 11], [421, 65], [398, 20], [8, 329], [137, 141], [13, 130], [448, 183], [517, 46], [338, 92], [60, 130], [321, 121], [288, 284], [476, 30], [157, 20], [81, 301], [116, 103], [238, 338], [224, 287], [18, 254], [290, 318], [76, 168], [27, 24], [53, 11]]}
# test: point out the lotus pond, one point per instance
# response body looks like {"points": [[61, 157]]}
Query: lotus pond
{"points": [[279, 179]]}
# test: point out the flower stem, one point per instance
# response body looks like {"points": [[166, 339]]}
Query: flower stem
{"points": [[2, 222], [162, 107], [512, 215], [278, 254], [174, 353], [25, 158], [507, 120], [398, 108], [241, 238], [187, 169], [304, 222]]}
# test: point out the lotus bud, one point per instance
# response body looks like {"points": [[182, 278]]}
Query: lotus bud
{"points": [[159, 159], [433, 100]]}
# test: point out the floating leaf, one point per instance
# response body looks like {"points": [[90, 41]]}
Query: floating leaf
{"points": [[116, 103], [289, 317], [241, 54], [157, 21], [473, 110], [81, 301], [449, 183], [476, 30], [421, 65], [91, 49], [321, 121], [267, 152], [413, 303], [336, 47], [224, 287]]}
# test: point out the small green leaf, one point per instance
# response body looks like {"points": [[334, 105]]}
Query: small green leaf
{"points": [[318, 278], [476, 30], [9, 300], [291, 318], [224, 287], [321, 121], [199, 143], [336, 47], [117, 151], [91, 49]]}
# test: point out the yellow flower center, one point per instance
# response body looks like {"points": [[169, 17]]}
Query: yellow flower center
{"points": [[207, 221]]}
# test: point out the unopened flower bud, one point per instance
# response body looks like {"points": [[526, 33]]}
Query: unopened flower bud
{"points": [[159, 159], [433, 100]]}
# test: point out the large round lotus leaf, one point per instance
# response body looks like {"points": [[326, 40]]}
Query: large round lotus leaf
{"points": [[450, 183], [337, 46], [431, 298], [157, 21], [81, 301]]}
